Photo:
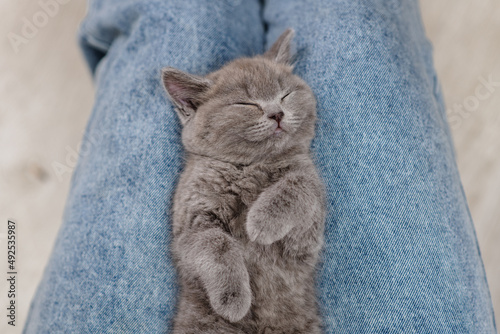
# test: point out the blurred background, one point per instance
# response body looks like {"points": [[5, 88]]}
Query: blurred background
{"points": [[46, 96]]}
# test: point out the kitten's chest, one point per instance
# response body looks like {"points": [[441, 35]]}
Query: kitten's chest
{"points": [[248, 183]]}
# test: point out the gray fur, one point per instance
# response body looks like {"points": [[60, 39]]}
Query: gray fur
{"points": [[249, 209]]}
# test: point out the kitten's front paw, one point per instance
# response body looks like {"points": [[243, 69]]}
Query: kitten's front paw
{"points": [[233, 301], [264, 229]]}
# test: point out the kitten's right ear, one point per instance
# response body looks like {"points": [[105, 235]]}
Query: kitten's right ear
{"points": [[281, 51], [185, 90]]}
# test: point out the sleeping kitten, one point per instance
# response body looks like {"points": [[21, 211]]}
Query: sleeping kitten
{"points": [[249, 210]]}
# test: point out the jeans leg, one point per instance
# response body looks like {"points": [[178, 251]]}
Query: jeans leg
{"points": [[401, 254], [110, 270]]}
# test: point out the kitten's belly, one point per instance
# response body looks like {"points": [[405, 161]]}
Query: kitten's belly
{"points": [[282, 289]]}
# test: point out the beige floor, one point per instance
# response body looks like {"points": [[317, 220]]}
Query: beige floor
{"points": [[46, 95]]}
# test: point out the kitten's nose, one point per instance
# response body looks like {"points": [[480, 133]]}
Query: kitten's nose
{"points": [[278, 116]]}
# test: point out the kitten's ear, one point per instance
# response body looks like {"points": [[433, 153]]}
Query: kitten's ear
{"points": [[281, 51], [185, 91]]}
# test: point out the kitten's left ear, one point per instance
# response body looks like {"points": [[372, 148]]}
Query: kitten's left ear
{"points": [[185, 91], [280, 51]]}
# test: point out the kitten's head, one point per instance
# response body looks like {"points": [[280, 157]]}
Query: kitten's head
{"points": [[252, 109]]}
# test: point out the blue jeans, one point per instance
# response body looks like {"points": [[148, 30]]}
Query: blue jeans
{"points": [[401, 254]]}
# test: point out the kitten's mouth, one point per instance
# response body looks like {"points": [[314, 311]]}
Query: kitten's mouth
{"points": [[278, 129]]}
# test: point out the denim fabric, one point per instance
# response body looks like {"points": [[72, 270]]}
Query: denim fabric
{"points": [[401, 254]]}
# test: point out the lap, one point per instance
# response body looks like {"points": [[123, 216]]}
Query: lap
{"points": [[400, 252]]}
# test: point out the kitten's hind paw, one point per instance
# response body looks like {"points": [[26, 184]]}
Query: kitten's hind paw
{"points": [[232, 302]]}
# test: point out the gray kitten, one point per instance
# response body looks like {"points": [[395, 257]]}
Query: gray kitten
{"points": [[249, 209]]}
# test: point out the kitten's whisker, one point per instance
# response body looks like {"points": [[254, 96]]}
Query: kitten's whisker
{"points": [[261, 128]]}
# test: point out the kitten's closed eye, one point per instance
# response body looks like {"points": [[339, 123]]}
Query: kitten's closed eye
{"points": [[286, 95], [257, 105], [247, 104]]}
